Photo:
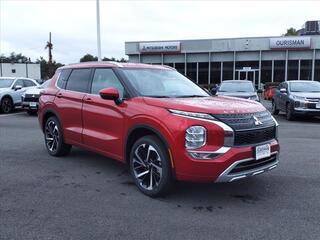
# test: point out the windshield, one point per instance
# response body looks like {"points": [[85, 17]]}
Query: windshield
{"points": [[236, 87], [5, 83], [162, 83], [305, 86]]}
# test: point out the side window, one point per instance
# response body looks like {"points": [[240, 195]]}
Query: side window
{"points": [[62, 80], [79, 80], [19, 82], [105, 78], [28, 83]]}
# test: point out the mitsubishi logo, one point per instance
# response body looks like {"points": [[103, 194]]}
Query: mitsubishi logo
{"points": [[257, 122]]}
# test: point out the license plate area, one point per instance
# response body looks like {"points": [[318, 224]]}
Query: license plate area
{"points": [[32, 104], [262, 151]]}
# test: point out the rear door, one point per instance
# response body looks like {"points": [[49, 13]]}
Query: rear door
{"points": [[69, 102], [103, 120]]}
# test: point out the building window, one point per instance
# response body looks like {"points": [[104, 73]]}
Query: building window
{"points": [[169, 64], [246, 64], [317, 70], [227, 70], [192, 71], [215, 74], [266, 71], [279, 71], [180, 67], [203, 73], [306, 70], [293, 68]]}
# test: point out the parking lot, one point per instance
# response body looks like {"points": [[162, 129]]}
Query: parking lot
{"points": [[87, 196]]}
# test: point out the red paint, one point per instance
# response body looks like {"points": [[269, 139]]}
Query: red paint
{"points": [[103, 125]]}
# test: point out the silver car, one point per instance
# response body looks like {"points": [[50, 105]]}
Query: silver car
{"points": [[11, 90]]}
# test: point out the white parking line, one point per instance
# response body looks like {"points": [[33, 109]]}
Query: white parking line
{"points": [[11, 114]]}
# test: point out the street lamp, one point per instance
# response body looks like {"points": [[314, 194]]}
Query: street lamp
{"points": [[98, 31]]}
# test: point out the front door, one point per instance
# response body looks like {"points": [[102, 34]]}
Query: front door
{"points": [[248, 74], [103, 120]]}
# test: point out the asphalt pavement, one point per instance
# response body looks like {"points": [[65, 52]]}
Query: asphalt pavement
{"points": [[87, 196]]}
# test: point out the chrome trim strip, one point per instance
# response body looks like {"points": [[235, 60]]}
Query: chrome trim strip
{"points": [[307, 109], [221, 150], [226, 177]]}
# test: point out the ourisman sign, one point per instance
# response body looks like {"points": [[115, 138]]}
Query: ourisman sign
{"points": [[290, 42], [159, 47]]}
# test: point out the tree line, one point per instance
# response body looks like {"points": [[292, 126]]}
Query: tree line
{"points": [[48, 70]]}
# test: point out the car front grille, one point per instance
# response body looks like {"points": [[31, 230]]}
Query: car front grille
{"points": [[253, 164], [254, 136], [247, 121], [31, 98], [313, 100]]}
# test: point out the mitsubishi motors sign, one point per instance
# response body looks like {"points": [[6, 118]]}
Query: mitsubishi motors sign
{"points": [[152, 47], [290, 43]]}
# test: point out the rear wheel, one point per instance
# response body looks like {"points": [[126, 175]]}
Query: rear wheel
{"points": [[54, 140], [6, 105], [275, 110], [150, 166]]}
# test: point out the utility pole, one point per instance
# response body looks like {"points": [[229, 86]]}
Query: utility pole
{"points": [[49, 46], [98, 31]]}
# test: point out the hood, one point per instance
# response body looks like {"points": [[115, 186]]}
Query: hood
{"points": [[237, 94], [4, 90], [35, 90], [306, 94], [212, 105]]}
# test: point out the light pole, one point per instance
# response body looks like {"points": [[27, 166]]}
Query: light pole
{"points": [[98, 31]]}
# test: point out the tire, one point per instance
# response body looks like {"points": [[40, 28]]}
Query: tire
{"points": [[289, 112], [6, 105], [53, 137], [150, 166], [275, 110]]}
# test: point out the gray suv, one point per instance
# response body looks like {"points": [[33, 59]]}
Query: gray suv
{"points": [[297, 98], [11, 90]]}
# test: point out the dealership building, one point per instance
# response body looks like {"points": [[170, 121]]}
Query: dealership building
{"points": [[211, 61]]}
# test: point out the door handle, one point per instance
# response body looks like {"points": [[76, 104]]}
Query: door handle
{"points": [[88, 100]]}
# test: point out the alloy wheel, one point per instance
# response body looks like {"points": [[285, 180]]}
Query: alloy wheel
{"points": [[6, 105], [147, 166], [52, 136]]}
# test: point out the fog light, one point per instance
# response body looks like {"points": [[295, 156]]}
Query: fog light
{"points": [[196, 137]]}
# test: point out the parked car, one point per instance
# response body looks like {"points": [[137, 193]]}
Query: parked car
{"points": [[270, 88], [238, 88], [11, 90], [30, 98], [160, 123], [297, 98]]}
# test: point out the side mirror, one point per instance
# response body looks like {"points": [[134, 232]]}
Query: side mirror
{"points": [[283, 90], [110, 94], [259, 91], [214, 90], [17, 87]]}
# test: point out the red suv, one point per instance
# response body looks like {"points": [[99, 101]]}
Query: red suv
{"points": [[160, 123]]}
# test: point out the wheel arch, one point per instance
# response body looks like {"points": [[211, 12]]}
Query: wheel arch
{"points": [[47, 114]]}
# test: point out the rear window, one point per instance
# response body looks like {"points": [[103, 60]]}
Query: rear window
{"points": [[62, 80], [79, 80]]}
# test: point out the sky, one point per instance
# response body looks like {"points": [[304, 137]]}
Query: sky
{"points": [[25, 24]]}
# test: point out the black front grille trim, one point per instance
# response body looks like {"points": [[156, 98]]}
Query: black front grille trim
{"points": [[254, 136], [253, 164]]}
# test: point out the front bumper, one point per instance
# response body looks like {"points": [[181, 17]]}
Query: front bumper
{"points": [[30, 105], [307, 111], [225, 167]]}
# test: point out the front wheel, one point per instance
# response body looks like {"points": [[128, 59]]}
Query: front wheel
{"points": [[289, 112], [54, 140], [6, 105], [150, 166]]}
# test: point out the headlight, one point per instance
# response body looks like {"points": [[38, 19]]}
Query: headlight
{"points": [[196, 137], [298, 98], [254, 98], [191, 114]]}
